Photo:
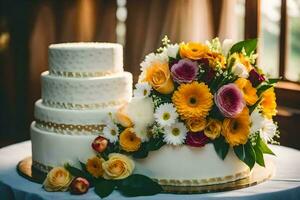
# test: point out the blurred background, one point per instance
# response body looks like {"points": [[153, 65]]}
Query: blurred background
{"points": [[27, 27]]}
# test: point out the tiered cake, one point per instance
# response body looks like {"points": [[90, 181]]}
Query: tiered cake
{"points": [[84, 83]]}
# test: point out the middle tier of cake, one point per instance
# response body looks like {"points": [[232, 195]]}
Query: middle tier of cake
{"points": [[86, 93]]}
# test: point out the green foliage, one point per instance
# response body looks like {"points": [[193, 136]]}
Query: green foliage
{"points": [[159, 98], [104, 188], [263, 88], [248, 45], [264, 147], [139, 185], [246, 153], [252, 108], [273, 80], [221, 147], [153, 144], [259, 156], [79, 173], [111, 148]]}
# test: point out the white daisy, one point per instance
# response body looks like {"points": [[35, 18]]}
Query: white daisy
{"points": [[165, 114], [175, 134], [142, 90], [268, 130], [256, 121], [111, 132]]}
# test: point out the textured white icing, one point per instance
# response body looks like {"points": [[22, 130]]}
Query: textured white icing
{"points": [[64, 116], [189, 163], [86, 57], [53, 150], [92, 90]]}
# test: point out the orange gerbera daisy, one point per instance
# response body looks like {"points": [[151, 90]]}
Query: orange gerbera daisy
{"points": [[268, 103], [129, 141], [248, 91], [193, 100], [236, 130], [94, 166]]}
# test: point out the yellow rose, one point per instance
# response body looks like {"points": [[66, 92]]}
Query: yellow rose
{"points": [[213, 129], [58, 179], [117, 166], [196, 124], [94, 166], [193, 50], [158, 76], [129, 141]]}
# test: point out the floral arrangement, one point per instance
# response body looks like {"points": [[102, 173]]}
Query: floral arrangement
{"points": [[187, 94]]}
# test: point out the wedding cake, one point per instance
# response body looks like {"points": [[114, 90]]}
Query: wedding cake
{"points": [[84, 83], [199, 117]]}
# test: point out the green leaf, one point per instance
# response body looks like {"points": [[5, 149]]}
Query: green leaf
{"points": [[263, 88], [103, 187], [264, 147], [155, 143], [273, 80], [246, 154], [248, 45], [221, 147], [252, 108], [259, 156], [75, 171], [139, 185], [142, 152]]}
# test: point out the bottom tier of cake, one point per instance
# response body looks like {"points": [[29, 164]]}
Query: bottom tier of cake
{"points": [[172, 166], [51, 149]]}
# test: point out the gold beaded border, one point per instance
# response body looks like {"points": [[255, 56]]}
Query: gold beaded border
{"points": [[202, 182], [81, 106], [70, 129], [41, 167], [169, 184], [81, 74]]}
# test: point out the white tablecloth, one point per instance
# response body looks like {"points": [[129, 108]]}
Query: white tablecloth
{"points": [[284, 185]]}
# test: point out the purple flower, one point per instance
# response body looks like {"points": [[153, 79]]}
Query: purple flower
{"points": [[185, 71], [196, 139], [229, 100], [255, 78]]}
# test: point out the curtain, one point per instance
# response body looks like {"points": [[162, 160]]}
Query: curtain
{"points": [[148, 21], [33, 26]]}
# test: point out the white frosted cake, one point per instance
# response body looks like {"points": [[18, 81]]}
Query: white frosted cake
{"points": [[84, 83], [194, 123]]}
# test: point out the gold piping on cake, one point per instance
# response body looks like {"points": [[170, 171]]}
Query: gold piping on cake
{"points": [[82, 106], [41, 167], [201, 182], [81, 74], [70, 129]]}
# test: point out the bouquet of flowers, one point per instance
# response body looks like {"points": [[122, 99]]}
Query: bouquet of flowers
{"points": [[187, 94], [194, 94]]}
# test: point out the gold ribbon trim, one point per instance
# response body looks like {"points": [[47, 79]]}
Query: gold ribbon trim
{"points": [[81, 74], [70, 129], [82, 106]]}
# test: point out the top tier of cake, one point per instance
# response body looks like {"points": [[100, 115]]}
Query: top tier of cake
{"points": [[85, 59]]}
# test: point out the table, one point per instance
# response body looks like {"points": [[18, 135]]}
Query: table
{"points": [[284, 185]]}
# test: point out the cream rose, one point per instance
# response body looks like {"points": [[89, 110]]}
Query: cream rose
{"points": [[213, 129], [58, 179], [117, 166]]}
